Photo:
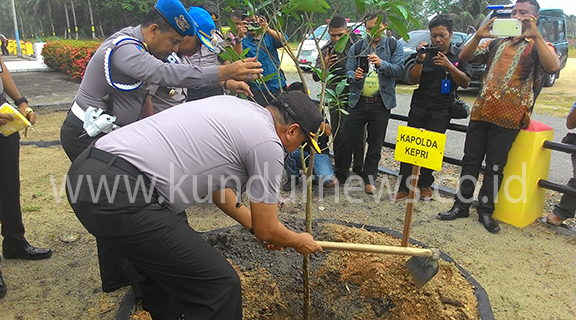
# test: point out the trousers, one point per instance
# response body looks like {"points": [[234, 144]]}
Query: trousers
{"points": [[492, 143], [10, 211], [181, 275], [375, 117]]}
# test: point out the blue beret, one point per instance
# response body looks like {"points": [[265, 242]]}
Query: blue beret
{"points": [[175, 14], [204, 25]]}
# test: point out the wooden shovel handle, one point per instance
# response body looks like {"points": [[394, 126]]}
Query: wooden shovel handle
{"points": [[407, 251]]}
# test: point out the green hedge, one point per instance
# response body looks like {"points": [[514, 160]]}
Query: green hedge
{"points": [[69, 56]]}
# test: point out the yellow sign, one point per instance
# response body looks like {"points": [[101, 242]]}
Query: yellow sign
{"points": [[420, 147]]}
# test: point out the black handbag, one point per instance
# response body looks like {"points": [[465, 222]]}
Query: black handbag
{"points": [[459, 109]]}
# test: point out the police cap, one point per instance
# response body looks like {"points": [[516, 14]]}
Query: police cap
{"points": [[175, 14], [204, 25]]}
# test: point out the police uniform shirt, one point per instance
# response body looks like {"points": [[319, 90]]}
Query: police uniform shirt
{"points": [[166, 97], [201, 146], [129, 64], [206, 57]]}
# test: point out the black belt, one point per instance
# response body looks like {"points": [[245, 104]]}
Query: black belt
{"points": [[116, 161], [373, 99]]}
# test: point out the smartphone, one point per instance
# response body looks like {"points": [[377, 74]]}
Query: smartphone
{"points": [[507, 28], [363, 63]]}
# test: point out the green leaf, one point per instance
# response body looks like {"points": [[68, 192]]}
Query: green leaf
{"points": [[318, 72], [361, 6], [268, 77], [232, 25], [341, 43], [415, 21], [319, 6], [331, 93], [225, 56], [399, 26], [341, 86]]}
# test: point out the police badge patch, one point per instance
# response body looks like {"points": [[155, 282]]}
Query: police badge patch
{"points": [[182, 23]]}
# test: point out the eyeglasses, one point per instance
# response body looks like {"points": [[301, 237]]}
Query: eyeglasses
{"points": [[215, 17]]}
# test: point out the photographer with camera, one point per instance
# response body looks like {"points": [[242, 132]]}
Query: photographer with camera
{"points": [[514, 69], [439, 72], [262, 42]]}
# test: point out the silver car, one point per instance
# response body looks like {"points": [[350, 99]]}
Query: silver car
{"points": [[309, 53]]}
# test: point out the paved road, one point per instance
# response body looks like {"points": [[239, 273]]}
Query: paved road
{"points": [[560, 164]]}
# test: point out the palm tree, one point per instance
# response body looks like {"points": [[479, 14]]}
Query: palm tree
{"points": [[74, 16], [91, 20]]}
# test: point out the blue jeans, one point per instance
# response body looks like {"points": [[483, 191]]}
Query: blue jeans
{"points": [[322, 166]]}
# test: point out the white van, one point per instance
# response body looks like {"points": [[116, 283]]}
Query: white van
{"points": [[309, 51]]}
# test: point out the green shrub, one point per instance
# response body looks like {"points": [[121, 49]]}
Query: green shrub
{"points": [[69, 56]]}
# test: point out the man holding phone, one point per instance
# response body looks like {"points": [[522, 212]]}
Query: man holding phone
{"points": [[335, 62], [514, 68], [372, 96]]}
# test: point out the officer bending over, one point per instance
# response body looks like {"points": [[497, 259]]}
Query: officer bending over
{"points": [[169, 161]]}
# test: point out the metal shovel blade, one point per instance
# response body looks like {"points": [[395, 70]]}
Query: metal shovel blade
{"points": [[422, 269]]}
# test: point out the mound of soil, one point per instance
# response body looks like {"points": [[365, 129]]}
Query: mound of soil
{"points": [[344, 285]]}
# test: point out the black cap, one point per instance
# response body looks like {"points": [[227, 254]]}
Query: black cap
{"points": [[304, 111]]}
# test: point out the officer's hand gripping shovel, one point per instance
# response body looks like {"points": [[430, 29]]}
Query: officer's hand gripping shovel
{"points": [[423, 265]]}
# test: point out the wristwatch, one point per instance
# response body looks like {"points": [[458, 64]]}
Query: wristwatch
{"points": [[418, 61], [20, 101]]}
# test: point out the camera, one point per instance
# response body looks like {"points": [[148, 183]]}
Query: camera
{"points": [[253, 25], [429, 49]]}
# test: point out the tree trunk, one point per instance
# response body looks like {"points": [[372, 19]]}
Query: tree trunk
{"points": [[22, 25], [91, 20], [68, 33], [51, 21], [74, 17]]}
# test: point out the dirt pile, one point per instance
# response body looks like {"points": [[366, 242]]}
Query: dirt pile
{"points": [[345, 285]]}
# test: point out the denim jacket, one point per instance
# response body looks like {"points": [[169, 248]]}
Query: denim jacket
{"points": [[392, 67]]}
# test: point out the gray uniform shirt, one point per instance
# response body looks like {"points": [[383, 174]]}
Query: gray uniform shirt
{"points": [[205, 57], [201, 146], [166, 97], [129, 64]]}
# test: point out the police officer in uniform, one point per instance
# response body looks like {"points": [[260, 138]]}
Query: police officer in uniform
{"points": [[209, 147], [14, 244], [166, 97], [115, 85]]}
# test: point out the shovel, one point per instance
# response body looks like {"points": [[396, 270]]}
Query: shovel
{"points": [[423, 265]]}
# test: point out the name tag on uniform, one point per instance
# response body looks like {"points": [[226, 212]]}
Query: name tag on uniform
{"points": [[445, 88]]}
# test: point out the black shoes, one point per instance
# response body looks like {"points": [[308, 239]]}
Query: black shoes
{"points": [[454, 213], [490, 224], [2, 286], [27, 252]]}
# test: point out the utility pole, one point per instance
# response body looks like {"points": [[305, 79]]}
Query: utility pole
{"points": [[16, 34]]}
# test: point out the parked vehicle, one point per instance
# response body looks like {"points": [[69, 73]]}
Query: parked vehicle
{"points": [[552, 27], [309, 51], [418, 36]]}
